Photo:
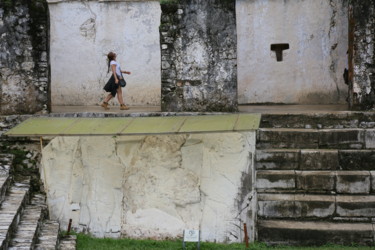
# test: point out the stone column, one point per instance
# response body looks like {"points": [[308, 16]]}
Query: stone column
{"points": [[199, 56], [361, 54]]}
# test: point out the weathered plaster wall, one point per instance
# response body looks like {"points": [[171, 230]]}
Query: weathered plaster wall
{"points": [[151, 187], [82, 34], [311, 70], [362, 55], [23, 56], [199, 61]]}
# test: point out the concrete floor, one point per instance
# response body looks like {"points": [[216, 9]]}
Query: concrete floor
{"points": [[263, 109]]}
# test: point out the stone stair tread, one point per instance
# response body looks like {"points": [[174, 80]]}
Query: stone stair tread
{"points": [[11, 208], [49, 235], [68, 242], [28, 226], [316, 225]]}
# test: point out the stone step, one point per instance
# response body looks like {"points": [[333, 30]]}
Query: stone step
{"points": [[328, 182], [315, 139], [5, 178], [327, 207], [49, 235], [319, 121], [28, 228], [68, 242], [11, 210], [287, 232], [314, 159]]}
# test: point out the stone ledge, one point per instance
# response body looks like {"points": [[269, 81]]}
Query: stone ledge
{"points": [[60, 1]]}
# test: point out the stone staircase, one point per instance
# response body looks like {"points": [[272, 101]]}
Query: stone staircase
{"points": [[23, 223], [315, 179]]}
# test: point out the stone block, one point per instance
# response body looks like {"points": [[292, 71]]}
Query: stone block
{"points": [[276, 206], [353, 182], [372, 181], [356, 159], [277, 159], [370, 138], [315, 206], [314, 233], [356, 206], [315, 181], [319, 160], [341, 138], [288, 138], [267, 180]]}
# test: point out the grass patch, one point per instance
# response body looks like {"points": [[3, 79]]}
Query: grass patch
{"points": [[85, 242]]}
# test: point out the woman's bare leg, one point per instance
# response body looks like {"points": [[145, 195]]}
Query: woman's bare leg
{"points": [[119, 95], [109, 97]]}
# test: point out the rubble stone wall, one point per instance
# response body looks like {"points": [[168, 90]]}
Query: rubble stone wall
{"points": [[362, 55], [24, 70], [199, 56]]}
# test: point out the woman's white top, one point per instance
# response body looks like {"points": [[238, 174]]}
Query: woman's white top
{"points": [[118, 69]]}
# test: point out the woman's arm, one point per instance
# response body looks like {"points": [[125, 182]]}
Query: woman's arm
{"points": [[113, 67], [126, 72]]}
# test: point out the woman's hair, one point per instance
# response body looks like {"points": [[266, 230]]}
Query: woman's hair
{"points": [[110, 57]]}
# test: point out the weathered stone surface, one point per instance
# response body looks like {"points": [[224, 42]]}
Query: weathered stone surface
{"points": [[356, 206], [130, 28], [49, 235], [11, 209], [149, 187], [287, 138], [295, 206], [263, 79], [199, 56], [342, 138], [315, 233], [370, 138], [362, 54], [23, 46], [315, 181], [353, 182], [319, 160], [356, 159], [277, 159], [267, 180]]}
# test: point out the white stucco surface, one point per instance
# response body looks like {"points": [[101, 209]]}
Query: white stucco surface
{"points": [[311, 70], [81, 35], [150, 187]]}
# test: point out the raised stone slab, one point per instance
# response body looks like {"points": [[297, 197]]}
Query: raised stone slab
{"points": [[305, 206], [28, 227], [315, 138], [5, 179], [277, 232], [49, 126], [11, 211], [68, 242], [314, 159], [49, 236], [342, 182]]}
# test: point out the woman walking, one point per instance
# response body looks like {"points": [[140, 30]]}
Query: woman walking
{"points": [[113, 85]]}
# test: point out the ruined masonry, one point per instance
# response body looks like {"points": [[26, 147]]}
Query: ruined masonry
{"points": [[23, 216]]}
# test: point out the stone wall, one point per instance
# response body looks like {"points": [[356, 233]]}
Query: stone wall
{"points": [[151, 186], [310, 70], [199, 56], [24, 70], [82, 34], [362, 55]]}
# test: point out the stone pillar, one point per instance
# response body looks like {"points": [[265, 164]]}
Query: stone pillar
{"points": [[199, 56], [361, 54], [24, 73]]}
